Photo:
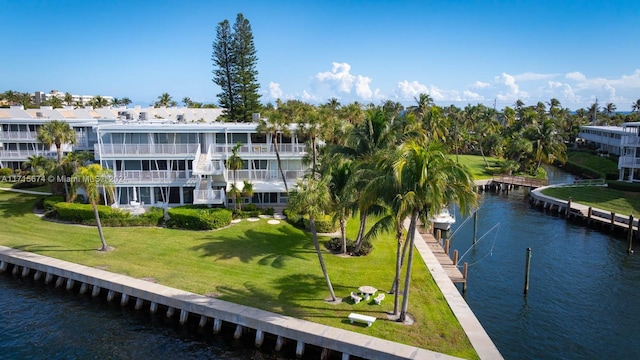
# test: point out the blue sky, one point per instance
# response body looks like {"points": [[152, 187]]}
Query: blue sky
{"points": [[459, 52]]}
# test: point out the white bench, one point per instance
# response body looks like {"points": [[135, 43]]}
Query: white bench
{"points": [[356, 299], [378, 299], [362, 318]]}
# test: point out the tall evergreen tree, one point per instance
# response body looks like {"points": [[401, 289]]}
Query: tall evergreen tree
{"points": [[246, 59], [224, 69], [234, 58]]}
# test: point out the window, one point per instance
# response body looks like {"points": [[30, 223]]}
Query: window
{"points": [[238, 138], [220, 139], [258, 138]]}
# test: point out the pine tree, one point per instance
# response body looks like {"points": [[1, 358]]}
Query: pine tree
{"points": [[234, 58], [247, 83], [224, 69]]}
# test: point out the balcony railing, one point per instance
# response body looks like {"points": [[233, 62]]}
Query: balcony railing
{"points": [[208, 196], [628, 161], [147, 149], [23, 154], [265, 175], [632, 140], [256, 149], [18, 135], [155, 176]]}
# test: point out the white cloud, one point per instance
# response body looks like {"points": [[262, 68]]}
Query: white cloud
{"points": [[575, 76], [409, 90], [511, 89], [338, 78], [530, 76], [340, 81], [480, 85], [274, 90], [471, 96]]}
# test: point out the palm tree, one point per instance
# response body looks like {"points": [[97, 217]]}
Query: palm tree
{"points": [[311, 126], [98, 101], [274, 126], [38, 165], [311, 197], [635, 107], [186, 101], [609, 109], [548, 144], [115, 102], [56, 133], [164, 100], [235, 163], [429, 180], [424, 102], [91, 179], [125, 101], [68, 98], [247, 189]]}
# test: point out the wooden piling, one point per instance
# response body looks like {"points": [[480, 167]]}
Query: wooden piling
{"points": [[589, 213], [475, 227], [465, 269], [455, 257], [630, 235], [446, 246], [526, 272], [613, 220], [567, 214]]}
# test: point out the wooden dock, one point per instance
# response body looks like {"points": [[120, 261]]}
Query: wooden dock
{"points": [[443, 258], [509, 180]]}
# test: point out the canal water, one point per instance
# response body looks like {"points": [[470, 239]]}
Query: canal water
{"points": [[583, 289], [582, 300]]}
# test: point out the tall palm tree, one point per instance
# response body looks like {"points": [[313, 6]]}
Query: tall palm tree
{"points": [[164, 100], [635, 107], [609, 109], [247, 189], [125, 101], [312, 126], [68, 98], [429, 180], [311, 197], [274, 126], [57, 132], [235, 163], [548, 144], [91, 179], [38, 165], [115, 102]]}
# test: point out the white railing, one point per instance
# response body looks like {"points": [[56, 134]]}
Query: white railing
{"points": [[157, 176], [628, 161], [631, 140], [196, 160], [208, 196], [256, 149], [19, 135], [148, 149], [265, 174], [23, 154]]}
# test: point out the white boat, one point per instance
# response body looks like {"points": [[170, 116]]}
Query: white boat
{"points": [[442, 220]]}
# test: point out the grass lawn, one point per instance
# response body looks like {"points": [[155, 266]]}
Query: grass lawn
{"points": [[620, 202], [603, 164], [477, 166], [271, 267]]}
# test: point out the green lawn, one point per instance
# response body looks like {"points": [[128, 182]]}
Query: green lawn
{"points": [[271, 267], [620, 202], [477, 166]]}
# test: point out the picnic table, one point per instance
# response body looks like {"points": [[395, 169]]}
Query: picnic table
{"points": [[367, 291]]}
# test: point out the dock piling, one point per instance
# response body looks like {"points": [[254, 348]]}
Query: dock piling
{"points": [[526, 272]]}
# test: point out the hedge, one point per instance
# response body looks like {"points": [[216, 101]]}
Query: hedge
{"points": [[324, 224], [623, 186], [6, 172], [190, 218], [335, 246], [83, 214]]}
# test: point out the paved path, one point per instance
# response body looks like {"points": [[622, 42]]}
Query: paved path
{"points": [[26, 191]]}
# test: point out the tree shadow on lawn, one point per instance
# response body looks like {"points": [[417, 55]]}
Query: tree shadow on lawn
{"points": [[18, 205], [292, 291], [37, 248], [271, 249]]}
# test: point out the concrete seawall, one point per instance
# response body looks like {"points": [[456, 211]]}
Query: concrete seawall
{"points": [[209, 310]]}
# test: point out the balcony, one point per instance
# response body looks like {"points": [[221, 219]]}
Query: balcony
{"points": [[261, 149], [24, 154], [265, 175], [629, 161], [146, 149], [149, 176], [209, 197], [18, 135], [632, 140]]}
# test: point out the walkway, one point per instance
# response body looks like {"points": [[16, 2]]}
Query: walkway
{"points": [[26, 191]]}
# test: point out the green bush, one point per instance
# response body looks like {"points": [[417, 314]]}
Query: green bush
{"points": [[199, 219], [49, 202], [623, 186], [583, 171], [6, 172], [250, 207], [324, 224], [335, 246], [83, 214], [293, 218], [27, 184]]}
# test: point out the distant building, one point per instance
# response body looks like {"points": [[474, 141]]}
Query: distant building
{"points": [[164, 155], [618, 140], [38, 97]]}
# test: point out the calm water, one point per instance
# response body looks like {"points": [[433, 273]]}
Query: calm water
{"points": [[582, 301], [583, 289]]}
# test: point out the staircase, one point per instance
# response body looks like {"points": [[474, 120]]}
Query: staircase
{"points": [[202, 163]]}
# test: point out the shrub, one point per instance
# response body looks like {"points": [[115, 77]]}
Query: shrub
{"points": [[27, 184], [293, 218], [324, 224], [335, 246], [6, 172], [83, 214], [250, 207], [623, 186], [199, 219], [49, 202]]}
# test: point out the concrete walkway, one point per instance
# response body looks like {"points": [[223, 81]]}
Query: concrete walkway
{"points": [[26, 191], [478, 337]]}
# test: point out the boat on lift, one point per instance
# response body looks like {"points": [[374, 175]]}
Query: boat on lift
{"points": [[443, 220]]}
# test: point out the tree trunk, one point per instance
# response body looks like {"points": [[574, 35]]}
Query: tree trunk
{"points": [[407, 279], [284, 179], [99, 224], [361, 231], [315, 155], [486, 163], [64, 176], [396, 289], [312, 226], [343, 234]]}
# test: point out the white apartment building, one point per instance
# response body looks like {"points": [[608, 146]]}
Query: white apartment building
{"points": [[164, 155], [38, 97], [619, 140]]}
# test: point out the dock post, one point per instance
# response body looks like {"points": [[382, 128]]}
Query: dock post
{"points": [[438, 235], [465, 269], [613, 220], [630, 235], [567, 213], [455, 257], [589, 213], [475, 227], [526, 272], [446, 246]]}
